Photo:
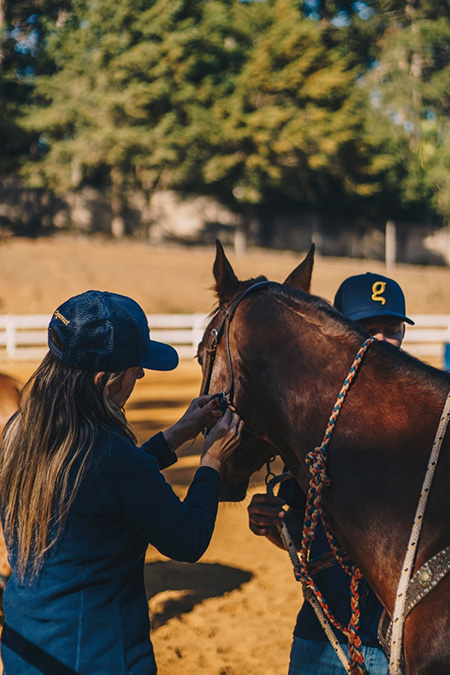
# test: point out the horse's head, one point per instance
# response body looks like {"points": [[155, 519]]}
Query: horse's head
{"points": [[223, 357]]}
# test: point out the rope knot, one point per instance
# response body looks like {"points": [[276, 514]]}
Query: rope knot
{"points": [[316, 463]]}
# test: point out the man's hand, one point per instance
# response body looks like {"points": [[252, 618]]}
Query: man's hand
{"points": [[265, 512]]}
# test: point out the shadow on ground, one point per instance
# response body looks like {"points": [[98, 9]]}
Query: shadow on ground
{"points": [[175, 588]]}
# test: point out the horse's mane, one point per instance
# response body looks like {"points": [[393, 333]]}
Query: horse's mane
{"points": [[319, 312], [401, 364]]}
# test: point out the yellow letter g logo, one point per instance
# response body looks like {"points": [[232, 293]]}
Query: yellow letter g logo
{"points": [[377, 291]]}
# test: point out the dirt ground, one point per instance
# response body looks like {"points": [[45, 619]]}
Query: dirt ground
{"points": [[233, 612]]}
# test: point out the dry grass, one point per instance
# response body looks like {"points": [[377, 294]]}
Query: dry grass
{"points": [[37, 275]]}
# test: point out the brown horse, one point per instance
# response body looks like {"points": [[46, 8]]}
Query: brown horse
{"points": [[282, 356], [9, 399], [9, 396]]}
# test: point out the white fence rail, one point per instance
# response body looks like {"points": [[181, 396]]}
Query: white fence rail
{"points": [[25, 337], [428, 336]]}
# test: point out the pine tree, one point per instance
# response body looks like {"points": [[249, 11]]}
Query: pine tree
{"points": [[292, 124], [409, 124], [129, 103], [23, 30]]}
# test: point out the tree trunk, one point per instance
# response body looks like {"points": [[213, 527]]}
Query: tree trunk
{"points": [[117, 203], [240, 237]]}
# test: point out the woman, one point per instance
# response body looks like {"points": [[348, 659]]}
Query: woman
{"points": [[81, 502]]}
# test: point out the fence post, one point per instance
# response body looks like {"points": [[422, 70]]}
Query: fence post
{"points": [[10, 337], [197, 332], [390, 252]]}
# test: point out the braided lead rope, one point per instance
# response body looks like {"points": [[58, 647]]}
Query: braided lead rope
{"points": [[353, 571], [354, 643], [338, 551], [326, 625], [398, 618], [316, 462], [307, 593], [311, 591]]}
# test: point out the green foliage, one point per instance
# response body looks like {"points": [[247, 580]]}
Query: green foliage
{"points": [[132, 91], [23, 31], [324, 103], [292, 125], [409, 118], [81, 110]]}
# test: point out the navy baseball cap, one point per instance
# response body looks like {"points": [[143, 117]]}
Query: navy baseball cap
{"points": [[366, 296], [98, 331]]}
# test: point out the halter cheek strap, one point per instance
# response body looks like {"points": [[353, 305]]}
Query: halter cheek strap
{"points": [[223, 327]]}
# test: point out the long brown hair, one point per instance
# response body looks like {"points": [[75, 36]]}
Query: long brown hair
{"points": [[61, 410]]}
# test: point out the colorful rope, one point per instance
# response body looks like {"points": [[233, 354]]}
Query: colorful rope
{"points": [[316, 462]]}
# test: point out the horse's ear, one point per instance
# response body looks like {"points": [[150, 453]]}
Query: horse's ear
{"points": [[301, 276], [226, 280]]}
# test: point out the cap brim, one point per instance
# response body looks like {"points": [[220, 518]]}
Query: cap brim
{"points": [[368, 314], [160, 356]]}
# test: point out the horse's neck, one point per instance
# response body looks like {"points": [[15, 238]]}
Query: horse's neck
{"points": [[377, 456], [378, 462]]}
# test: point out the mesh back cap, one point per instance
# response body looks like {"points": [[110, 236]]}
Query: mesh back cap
{"points": [[102, 331]]}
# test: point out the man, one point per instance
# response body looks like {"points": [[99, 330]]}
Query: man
{"points": [[377, 303]]}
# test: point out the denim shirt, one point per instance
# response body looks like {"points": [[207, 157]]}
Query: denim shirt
{"points": [[334, 585], [86, 611]]}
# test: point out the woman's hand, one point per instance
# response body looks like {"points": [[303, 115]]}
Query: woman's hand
{"points": [[222, 440], [202, 412]]}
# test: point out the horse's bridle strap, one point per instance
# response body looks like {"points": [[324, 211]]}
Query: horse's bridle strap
{"points": [[227, 313]]}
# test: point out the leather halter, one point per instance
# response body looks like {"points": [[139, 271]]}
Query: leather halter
{"points": [[223, 328]]}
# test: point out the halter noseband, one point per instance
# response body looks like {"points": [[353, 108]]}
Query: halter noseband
{"points": [[222, 328]]}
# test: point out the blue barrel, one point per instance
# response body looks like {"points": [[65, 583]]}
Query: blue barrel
{"points": [[447, 357]]}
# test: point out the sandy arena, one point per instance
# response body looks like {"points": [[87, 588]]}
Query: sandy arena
{"points": [[233, 612]]}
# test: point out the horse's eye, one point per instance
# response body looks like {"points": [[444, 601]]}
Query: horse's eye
{"points": [[199, 358]]}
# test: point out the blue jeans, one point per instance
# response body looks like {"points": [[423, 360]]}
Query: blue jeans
{"points": [[311, 657]]}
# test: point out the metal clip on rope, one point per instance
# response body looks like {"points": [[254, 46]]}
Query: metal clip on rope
{"points": [[282, 527]]}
